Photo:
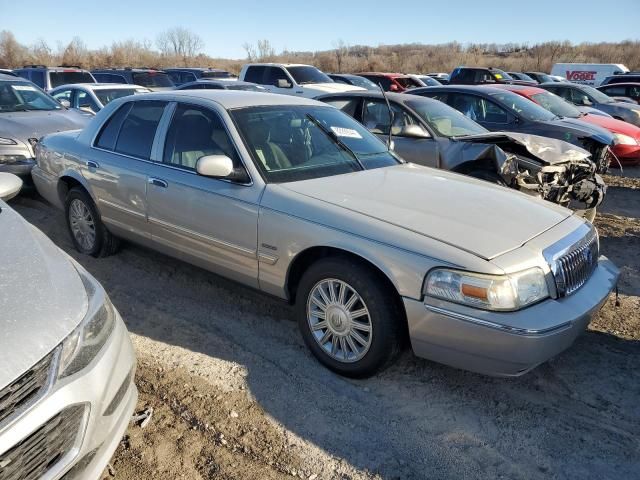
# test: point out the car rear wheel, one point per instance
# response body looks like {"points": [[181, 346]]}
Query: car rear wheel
{"points": [[88, 233], [348, 317]]}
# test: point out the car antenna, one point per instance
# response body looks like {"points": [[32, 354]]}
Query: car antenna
{"points": [[384, 95]]}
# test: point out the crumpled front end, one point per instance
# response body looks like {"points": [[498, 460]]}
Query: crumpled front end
{"points": [[551, 169]]}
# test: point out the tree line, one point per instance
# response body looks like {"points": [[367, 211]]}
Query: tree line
{"points": [[181, 47]]}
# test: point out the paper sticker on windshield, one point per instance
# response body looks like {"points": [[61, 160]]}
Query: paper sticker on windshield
{"points": [[24, 88], [346, 132], [497, 75]]}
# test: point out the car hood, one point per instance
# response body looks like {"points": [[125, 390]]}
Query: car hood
{"points": [[331, 87], [582, 129], [33, 124], [42, 298], [484, 219], [548, 150], [613, 125]]}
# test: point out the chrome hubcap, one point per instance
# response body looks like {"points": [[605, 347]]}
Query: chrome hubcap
{"points": [[81, 223], [339, 320]]}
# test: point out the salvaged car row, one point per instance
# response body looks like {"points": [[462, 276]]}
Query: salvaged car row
{"points": [[334, 197]]}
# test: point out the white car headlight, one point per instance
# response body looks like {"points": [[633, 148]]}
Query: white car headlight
{"points": [[622, 139], [7, 141], [84, 343], [489, 292]]}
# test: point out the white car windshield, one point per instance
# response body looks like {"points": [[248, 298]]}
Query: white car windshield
{"points": [[290, 143], [23, 96]]}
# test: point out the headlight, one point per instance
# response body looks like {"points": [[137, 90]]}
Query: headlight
{"points": [[7, 141], [489, 292], [84, 343], [622, 139]]}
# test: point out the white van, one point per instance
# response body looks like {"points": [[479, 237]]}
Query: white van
{"points": [[588, 73]]}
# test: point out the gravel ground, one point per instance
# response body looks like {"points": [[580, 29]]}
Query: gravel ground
{"points": [[236, 395]]}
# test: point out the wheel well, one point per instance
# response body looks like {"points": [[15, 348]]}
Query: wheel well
{"points": [[65, 184]]}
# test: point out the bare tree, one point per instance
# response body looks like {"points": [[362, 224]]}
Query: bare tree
{"points": [[251, 51], [11, 52], [179, 42], [265, 50], [341, 52], [41, 53], [75, 52]]}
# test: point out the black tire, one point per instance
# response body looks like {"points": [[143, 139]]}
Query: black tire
{"points": [[386, 317], [487, 176], [105, 243]]}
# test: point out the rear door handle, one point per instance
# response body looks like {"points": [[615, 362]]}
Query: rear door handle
{"points": [[157, 182], [91, 164]]}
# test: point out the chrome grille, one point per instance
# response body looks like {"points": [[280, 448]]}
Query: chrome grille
{"points": [[25, 389], [574, 267], [43, 449]]}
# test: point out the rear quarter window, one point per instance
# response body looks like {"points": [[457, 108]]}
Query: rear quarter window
{"points": [[254, 74]]}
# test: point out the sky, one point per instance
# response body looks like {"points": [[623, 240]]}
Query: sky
{"points": [[306, 26]]}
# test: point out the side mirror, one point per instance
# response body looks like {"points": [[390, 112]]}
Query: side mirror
{"points": [[65, 103], [413, 131], [216, 166], [10, 185], [283, 83]]}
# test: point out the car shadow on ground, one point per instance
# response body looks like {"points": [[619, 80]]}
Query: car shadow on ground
{"points": [[573, 417], [621, 201]]}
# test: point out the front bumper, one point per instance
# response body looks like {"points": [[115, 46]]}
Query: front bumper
{"points": [[506, 343], [106, 395]]}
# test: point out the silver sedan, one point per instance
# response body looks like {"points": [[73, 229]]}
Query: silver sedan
{"points": [[297, 199]]}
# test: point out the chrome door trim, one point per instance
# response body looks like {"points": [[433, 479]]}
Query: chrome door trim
{"points": [[246, 252], [122, 209]]}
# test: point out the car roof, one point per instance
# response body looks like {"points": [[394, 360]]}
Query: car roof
{"points": [[621, 84], [461, 88], [274, 64], [100, 86], [233, 98], [126, 69], [385, 74], [397, 97], [525, 89], [4, 76], [217, 81], [198, 69]]}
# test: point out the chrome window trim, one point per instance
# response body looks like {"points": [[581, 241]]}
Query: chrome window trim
{"points": [[494, 325]]}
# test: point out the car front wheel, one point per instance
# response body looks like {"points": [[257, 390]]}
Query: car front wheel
{"points": [[348, 317], [88, 233]]}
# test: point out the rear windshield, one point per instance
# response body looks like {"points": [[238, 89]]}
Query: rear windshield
{"points": [[152, 79], [220, 74], [106, 95], [64, 78]]}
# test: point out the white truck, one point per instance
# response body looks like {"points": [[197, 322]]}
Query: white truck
{"points": [[292, 79], [588, 73]]}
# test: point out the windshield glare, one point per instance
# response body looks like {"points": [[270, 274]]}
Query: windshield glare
{"points": [[597, 95], [107, 95], [287, 145], [307, 74], [23, 96], [65, 78], [152, 79], [444, 120], [363, 82], [523, 107], [556, 105]]}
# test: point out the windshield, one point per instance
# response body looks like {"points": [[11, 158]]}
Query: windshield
{"points": [[22, 96], [306, 74], [544, 78], [501, 74], [523, 107], [556, 105], [106, 95], [407, 82], [446, 121], [217, 74], [292, 143], [65, 78], [152, 79], [597, 95], [429, 81], [363, 82]]}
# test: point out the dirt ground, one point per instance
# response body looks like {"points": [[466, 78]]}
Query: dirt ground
{"points": [[236, 395]]}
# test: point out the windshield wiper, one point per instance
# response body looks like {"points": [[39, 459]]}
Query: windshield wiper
{"points": [[332, 135]]}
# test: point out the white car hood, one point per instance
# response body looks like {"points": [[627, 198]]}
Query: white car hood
{"points": [[473, 215], [42, 298]]}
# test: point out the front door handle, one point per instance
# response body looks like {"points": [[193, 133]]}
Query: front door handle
{"points": [[157, 182], [91, 164]]}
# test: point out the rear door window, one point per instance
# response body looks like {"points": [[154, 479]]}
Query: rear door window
{"points": [[375, 116], [478, 108], [109, 78], [74, 76], [615, 91], [139, 129], [274, 74], [110, 130], [65, 94], [254, 74]]}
